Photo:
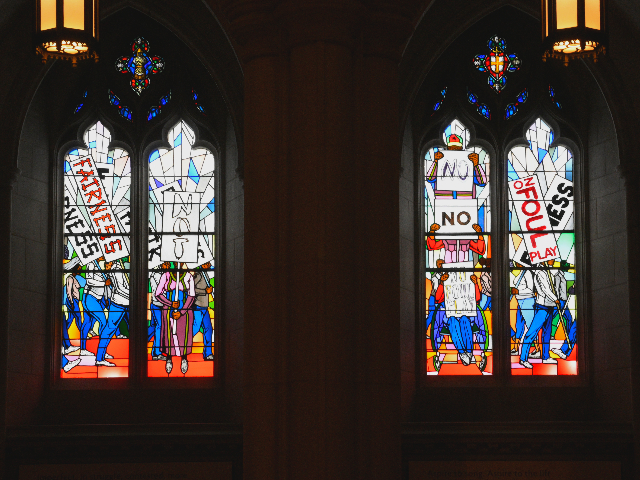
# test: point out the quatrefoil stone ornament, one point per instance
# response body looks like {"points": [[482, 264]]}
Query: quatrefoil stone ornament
{"points": [[497, 63], [140, 65]]}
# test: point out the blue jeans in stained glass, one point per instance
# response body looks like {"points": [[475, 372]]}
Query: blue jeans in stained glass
{"points": [[201, 318], [571, 326], [153, 331], [116, 314], [542, 320], [461, 334], [73, 313], [94, 310], [481, 333], [524, 316]]}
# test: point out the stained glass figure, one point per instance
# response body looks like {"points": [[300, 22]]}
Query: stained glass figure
{"points": [[81, 104], [125, 112], [140, 65], [497, 63], [552, 95], [482, 109], [96, 264], [156, 110], [438, 104], [512, 108], [196, 102], [458, 257], [542, 256], [180, 300]]}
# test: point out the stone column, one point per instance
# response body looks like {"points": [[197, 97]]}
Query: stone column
{"points": [[322, 160]]}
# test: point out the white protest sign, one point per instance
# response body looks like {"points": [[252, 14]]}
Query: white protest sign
{"points": [[78, 232], [459, 295], [559, 200], [93, 194], [204, 253], [455, 172], [456, 216], [180, 220], [528, 205]]}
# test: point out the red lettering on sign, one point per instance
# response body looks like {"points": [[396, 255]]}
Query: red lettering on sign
{"points": [[95, 182], [96, 209], [530, 202], [533, 219], [85, 161], [103, 218], [113, 249], [529, 182], [536, 235], [85, 175], [526, 192], [106, 230], [94, 193]]}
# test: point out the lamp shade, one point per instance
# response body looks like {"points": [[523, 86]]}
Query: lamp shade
{"points": [[573, 29], [67, 29]]}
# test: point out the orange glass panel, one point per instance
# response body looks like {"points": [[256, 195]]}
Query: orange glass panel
{"points": [[592, 14], [567, 13], [74, 14], [47, 14]]}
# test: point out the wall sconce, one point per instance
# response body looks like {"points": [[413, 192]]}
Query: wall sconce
{"points": [[67, 29], [573, 29]]}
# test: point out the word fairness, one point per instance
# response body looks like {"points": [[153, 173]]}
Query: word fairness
{"points": [[531, 210], [99, 213]]}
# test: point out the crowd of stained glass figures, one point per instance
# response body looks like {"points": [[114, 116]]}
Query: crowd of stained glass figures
{"points": [[541, 244], [542, 256], [97, 255], [458, 257]]}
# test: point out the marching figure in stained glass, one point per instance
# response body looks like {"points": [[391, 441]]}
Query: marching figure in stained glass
{"points": [[176, 292]]}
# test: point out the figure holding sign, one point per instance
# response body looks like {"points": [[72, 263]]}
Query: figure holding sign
{"points": [[176, 291]]}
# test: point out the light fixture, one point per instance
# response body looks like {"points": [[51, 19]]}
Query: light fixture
{"points": [[67, 29], [573, 29]]}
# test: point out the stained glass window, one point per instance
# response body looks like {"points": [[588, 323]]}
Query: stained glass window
{"points": [[542, 257], [181, 252], [156, 110], [458, 256], [482, 109], [196, 101], [96, 259]]}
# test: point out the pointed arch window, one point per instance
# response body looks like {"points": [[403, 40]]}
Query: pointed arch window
{"points": [[138, 218]]}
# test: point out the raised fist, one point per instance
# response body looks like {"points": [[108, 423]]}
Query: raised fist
{"points": [[176, 315], [477, 228], [514, 291], [444, 277], [175, 304], [474, 158], [209, 289], [438, 156], [206, 266], [439, 263], [474, 279], [434, 227], [107, 282]]}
